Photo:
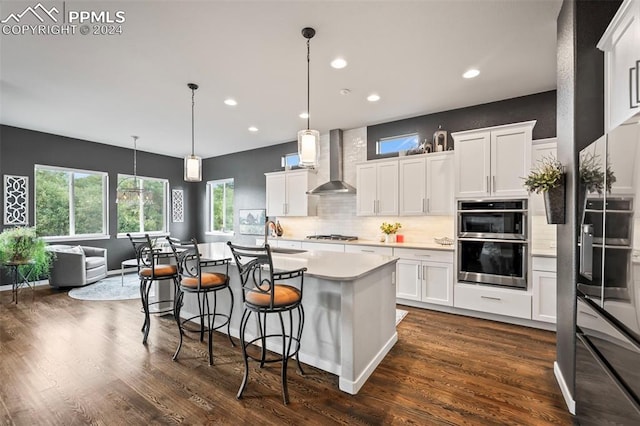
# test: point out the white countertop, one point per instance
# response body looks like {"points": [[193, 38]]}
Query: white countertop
{"points": [[427, 245], [320, 264]]}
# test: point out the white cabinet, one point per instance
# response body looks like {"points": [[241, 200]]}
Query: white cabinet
{"points": [[424, 275], [357, 248], [323, 246], [377, 188], [621, 44], [493, 300], [287, 193], [544, 289], [543, 148], [426, 184], [491, 162]]}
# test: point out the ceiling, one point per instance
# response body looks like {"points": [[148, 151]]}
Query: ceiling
{"points": [[105, 88]]}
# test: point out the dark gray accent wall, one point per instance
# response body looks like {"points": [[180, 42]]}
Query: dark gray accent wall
{"points": [[247, 169], [580, 122], [21, 149], [539, 106]]}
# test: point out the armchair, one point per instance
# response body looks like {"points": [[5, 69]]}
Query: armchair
{"points": [[76, 266]]}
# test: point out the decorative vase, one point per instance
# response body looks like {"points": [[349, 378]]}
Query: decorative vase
{"points": [[389, 238], [554, 201]]}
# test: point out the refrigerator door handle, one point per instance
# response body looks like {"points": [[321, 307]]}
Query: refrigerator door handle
{"points": [[586, 251]]}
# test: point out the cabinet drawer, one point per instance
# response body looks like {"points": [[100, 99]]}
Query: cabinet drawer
{"points": [[323, 247], [353, 248], [499, 301], [290, 244], [543, 264], [426, 255]]}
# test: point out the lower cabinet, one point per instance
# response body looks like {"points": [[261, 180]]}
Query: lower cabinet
{"points": [[544, 290], [323, 246], [501, 301], [357, 248], [425, 276]]}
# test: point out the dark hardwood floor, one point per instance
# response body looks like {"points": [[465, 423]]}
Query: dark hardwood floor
{"points": [[71, 362]]}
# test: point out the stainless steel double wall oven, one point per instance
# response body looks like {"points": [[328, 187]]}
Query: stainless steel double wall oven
{"points": [[492, 242]]}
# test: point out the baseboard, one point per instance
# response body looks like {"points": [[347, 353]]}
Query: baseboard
{"points": [[9, 287], [353, 387], [568, 398]]}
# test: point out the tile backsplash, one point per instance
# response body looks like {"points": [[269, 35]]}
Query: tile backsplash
{"points": [[336, 214]]}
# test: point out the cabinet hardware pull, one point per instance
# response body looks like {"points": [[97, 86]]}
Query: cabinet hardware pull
{"points": [[424, 272], [487, 182], [422, 255], [423, 209], [638, 82], [374, 206], [367, 251], [428, 206], [493, 183], [490, 298], [631, 72]]}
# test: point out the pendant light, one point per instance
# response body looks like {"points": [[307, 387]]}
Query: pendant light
{"points": [[129, 189], [308, 140], [192, 163]]}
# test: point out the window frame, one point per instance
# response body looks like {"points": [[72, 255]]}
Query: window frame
{"points": [[165, 209], [210, 230], [389, 138], [72, 220]]}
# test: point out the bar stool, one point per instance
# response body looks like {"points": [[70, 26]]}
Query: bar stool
{"points": [[194, 280], [262, 295], [150, 270]]}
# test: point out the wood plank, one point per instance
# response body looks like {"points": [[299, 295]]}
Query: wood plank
{"points": [[67, 361]]}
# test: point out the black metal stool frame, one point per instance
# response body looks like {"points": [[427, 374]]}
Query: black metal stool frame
{"points": [[255, 267], [147, 258], [190, 265]]}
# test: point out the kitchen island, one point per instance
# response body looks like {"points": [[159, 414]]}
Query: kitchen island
{"points": [[349, 304]]}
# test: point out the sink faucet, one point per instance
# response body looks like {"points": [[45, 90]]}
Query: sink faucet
{"points": [[266, 230]]}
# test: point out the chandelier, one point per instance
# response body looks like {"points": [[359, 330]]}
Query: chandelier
{"points": [[131, 189]]}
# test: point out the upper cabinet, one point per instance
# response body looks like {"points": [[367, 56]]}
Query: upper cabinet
{"points": [[543, 148], [492, 162], [377, 183], [426, 184], [287, 193], [621, 44]]}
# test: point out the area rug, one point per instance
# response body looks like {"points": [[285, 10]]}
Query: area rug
{"points": [[400, 314], [109, 288]]}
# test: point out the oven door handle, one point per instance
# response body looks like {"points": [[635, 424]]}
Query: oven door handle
{"points": [[494, 240]]}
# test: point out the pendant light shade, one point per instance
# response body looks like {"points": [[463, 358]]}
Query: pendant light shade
{"points": [[308, 140], [192, 163]]}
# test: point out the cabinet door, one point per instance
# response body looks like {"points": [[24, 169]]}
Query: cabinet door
{"points": [[544, 296], [622, 67], [538, 152], [510, 161], [412, 186], [440, 185], [387, 184], [276, 194], [437, 283], [408, 279], [472, 161], [366, 195], [297, 186]]}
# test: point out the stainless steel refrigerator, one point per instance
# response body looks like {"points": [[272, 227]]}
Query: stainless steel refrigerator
{"points": [[608, 287]]}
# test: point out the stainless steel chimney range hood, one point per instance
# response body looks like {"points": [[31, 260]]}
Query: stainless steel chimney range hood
{"points": [[335, 185]]}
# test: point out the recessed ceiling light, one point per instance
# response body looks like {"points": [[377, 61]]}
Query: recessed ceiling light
{"points": [[304, 115], [338, 63], [471, 73], [253, 129], [374, 97], [230, 102]]}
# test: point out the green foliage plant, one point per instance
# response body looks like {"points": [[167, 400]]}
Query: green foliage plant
{"points": [[22, 244], [548, 174], [592, 176]]}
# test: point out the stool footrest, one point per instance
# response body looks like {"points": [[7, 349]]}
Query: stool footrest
{"points": [[294, 351]]}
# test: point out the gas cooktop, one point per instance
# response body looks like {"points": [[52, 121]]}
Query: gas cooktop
{"points": [[332, 237]]}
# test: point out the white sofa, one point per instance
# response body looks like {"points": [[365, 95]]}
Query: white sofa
{"points": [[76, 266]]}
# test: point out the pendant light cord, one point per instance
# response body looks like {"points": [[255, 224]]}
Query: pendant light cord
{"points": [[308, 84], [135, 150], [193, 103]]}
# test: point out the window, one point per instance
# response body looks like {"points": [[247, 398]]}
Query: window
{"points": [[145, 214], [397, 143], [220, 194], [70, 203], [290, 161]]}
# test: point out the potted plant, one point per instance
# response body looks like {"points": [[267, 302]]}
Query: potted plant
{"points": [[549, 178], [21, 244], [389, 229], [592, 178]]}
